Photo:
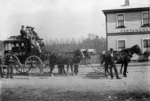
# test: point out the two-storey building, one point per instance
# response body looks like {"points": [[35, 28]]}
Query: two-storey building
{"points": [[128, 25]]}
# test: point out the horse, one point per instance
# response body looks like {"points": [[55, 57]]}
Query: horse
{"points": [[123, 57], [65, 59], [146, 55], [86, 55]]}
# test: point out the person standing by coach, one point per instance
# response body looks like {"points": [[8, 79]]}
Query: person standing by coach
{"points": [[10, 64]]}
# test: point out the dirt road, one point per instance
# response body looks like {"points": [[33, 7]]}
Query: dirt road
{"points": [[87, 86]]}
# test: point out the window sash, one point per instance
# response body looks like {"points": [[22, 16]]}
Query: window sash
{"points": [[146, 43], [121, 44], [120, 20], [145, 18]]}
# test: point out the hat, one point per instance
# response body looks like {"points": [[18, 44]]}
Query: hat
{"points": [[32, 27], [111, 49]]}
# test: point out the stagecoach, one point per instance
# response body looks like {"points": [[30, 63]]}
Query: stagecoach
{"points": [[27, 58]]}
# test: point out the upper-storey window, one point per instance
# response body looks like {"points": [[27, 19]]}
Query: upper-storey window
{"points": [[145, 19], [120, 21]]}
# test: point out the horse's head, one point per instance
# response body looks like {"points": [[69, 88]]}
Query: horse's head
{"points": [[79, 54], [136, 49], [86, 54]]}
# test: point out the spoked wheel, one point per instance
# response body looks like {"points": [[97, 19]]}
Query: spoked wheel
{"points": [[34, 65], [18, 66]]}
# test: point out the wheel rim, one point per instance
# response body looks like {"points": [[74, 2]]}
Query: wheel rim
{"points": [[17, 64], [33, 65]]}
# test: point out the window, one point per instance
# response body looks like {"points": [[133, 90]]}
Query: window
{"points": [[120, 20], [146, 43], [145, 20], [120, 44]]}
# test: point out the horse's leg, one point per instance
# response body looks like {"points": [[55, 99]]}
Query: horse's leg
{"points": [[71, 66], [121, 68], [1, 71], [59, 69], [76, 69], [147, 58], [51, 69], [63, 69], [125, 69], [67, 68]]}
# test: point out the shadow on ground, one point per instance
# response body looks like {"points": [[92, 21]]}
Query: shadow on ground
{"points": [[94, 75]]}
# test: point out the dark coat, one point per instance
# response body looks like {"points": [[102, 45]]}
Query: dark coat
{"points": [[107, 58], [23, 33]]}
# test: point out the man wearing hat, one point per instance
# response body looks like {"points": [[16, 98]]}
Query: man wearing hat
{"points": [[113, 64], [10, 63], [23, 32]]}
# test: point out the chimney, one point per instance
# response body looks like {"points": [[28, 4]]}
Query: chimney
{"points": [[126, 3]]}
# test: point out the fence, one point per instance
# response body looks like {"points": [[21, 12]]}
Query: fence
{"points": [[95, 58]]}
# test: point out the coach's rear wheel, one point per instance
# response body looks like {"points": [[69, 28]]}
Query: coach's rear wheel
{"points": [[34, 65]]}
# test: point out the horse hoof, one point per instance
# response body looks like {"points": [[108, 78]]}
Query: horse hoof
{"points": [[118, 78], [125, 75]]}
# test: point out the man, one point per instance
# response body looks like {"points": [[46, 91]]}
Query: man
{"points": [[23, 32], [34, 33], [108, 58], [10, 64], [113, 64]]}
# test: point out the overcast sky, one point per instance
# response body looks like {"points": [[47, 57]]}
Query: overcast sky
{"points": [[56, 18]]}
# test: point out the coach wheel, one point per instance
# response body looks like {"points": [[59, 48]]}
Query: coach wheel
{"points": [[34, 65], [17, 64]]}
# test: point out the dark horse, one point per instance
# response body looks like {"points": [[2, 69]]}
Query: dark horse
{"points": [[123, 57], [65, 59]]}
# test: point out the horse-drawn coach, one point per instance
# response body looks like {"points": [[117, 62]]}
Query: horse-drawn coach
{"points": [[31, 57], [26, 57]]}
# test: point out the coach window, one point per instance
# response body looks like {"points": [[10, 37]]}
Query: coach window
{"points": [[120, 45], [145, 19], [120, 18]]}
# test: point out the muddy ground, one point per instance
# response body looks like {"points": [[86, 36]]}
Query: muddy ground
{"points": [[87, 86]]}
